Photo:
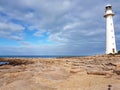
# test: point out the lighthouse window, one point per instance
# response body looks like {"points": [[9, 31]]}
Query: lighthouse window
{"points": [[109, 7]]}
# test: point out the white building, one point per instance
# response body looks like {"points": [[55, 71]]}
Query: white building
{"points": [[110, 35]]}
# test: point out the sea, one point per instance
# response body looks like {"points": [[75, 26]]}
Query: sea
{"points": [[31, 56], [44, 56]]}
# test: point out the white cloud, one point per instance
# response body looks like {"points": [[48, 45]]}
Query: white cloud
{"points": [[58, 37], [71, 26], [67, 22], [39, 33], [11, 31]]}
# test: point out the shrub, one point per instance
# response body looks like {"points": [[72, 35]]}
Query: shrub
{"points": [[118, 52]]}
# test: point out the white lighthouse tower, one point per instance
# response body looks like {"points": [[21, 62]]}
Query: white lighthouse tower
{"points": [[110, 35]]}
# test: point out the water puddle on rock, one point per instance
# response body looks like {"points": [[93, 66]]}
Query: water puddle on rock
{"points": [[4, 63]]}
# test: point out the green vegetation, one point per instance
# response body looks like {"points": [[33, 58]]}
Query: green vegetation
{"points": [[118, 52]]}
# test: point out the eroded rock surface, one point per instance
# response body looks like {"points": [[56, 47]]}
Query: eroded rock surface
{"points": [[77, 73]]}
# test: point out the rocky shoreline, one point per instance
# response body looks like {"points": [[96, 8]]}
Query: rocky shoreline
{"points": [[75, 73]]}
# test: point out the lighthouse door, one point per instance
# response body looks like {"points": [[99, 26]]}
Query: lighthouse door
{"points": [[113, 50]]}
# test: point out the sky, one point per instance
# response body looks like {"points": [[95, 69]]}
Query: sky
{"points": [[55, 27]]}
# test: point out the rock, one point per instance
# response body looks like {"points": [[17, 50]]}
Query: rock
{"points": [[117, 65], [76, 64], [76, 70], [25, 85], [109, 75], [95, 72], [6, 67], [61, 73], [110, 64], [117, 71]]}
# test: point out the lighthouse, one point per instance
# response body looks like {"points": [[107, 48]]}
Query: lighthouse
{"points": [[110, 34]]}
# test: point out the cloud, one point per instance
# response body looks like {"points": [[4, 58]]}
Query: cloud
{"points": [[50, 50], [71, 25], [11, 30]]}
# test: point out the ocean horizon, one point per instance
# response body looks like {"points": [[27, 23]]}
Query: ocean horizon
{"points": [[36, 56], [39, 56]]}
